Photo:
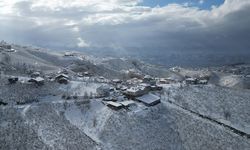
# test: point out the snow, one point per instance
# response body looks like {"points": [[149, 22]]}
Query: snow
{"points": [[80, 88], [127, 103], [90, 118], [135, 89], [44, 136], [26, 108], [228, 106], [176, 123], [114, 104], [39, 79]]}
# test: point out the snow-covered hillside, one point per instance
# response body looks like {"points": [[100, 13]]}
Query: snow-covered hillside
{"points": [[52, 100]]}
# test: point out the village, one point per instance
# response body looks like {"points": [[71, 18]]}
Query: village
{"points": [[115, 93], [102, 97], [125, 91]]}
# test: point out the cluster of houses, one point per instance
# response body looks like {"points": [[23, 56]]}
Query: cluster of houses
{"points": [[38, 79], [35, 78], [84, 74], [68, 54], [117, 93], [195, 81], [124, 94], [6, 47]]}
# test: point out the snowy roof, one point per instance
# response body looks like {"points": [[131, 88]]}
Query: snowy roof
{"points": [[117, 81], [147, 77], [135, 89], [101, 77], [149, 99], [12, 77], [144, 84], [10, 50], [109, 99], [162, 79], [62, 76], [203, 81], [127, 103], [134, 80], [39, 79], [68, 54], [114, 104]]}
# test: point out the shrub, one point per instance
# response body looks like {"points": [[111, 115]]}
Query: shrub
{"points": [[64, 96], [75, 97], [227, 115]]}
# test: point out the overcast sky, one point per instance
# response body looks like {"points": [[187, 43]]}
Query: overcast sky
{"points": [[127, 24]]}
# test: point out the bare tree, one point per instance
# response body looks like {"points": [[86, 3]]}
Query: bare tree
{"points": [[85, 96]]}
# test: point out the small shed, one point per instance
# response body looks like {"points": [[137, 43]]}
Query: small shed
{"points": [[114, 105], [202, 81], [63, 81], [128, 103], [113, 99], [102, 78], [37, 80], [86, 73], [116, 81], [68, 54], [62, 78], [163, 81], [191, 81], [80, 74], [156, 88], [149, 99]]}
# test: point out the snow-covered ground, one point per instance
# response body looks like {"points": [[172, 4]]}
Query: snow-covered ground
{"points": [[81, 125], [225, 105], [189, 117], [80, 88]]}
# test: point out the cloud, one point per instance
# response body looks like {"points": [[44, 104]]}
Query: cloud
{"points": [[125, 25], [201, 1], [82, 43]]}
